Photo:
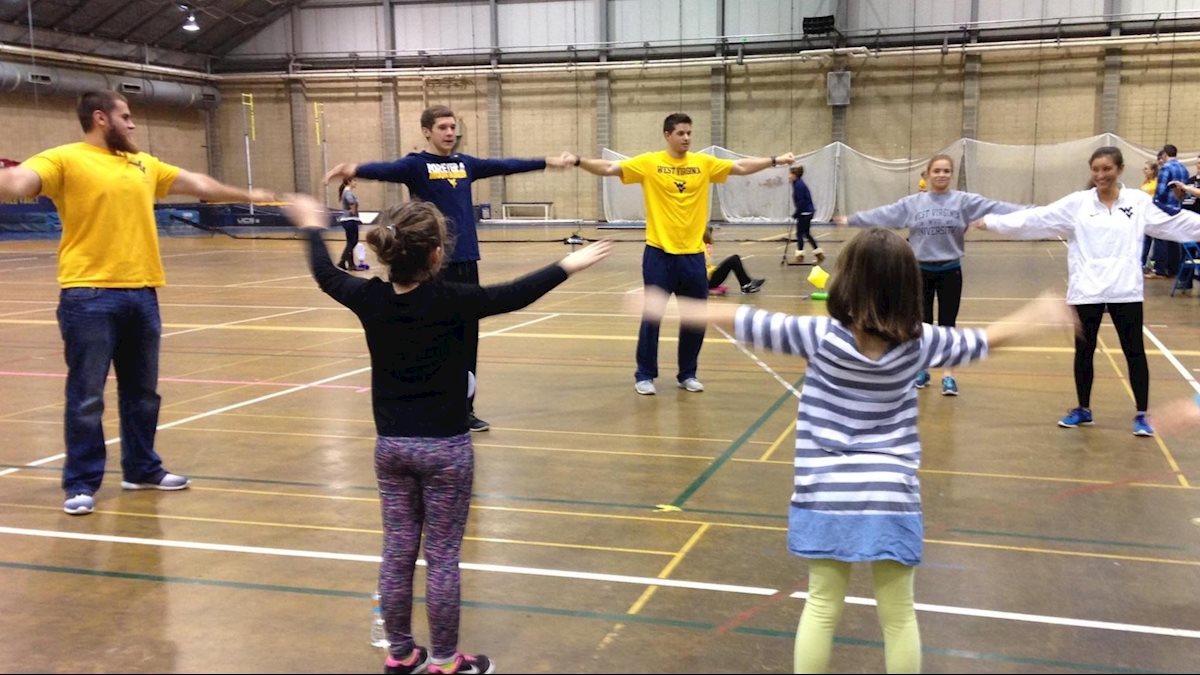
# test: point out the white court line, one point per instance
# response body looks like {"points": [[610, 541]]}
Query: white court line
{"points": [[8, 260], [754, 357], [260, 399], [604, 578], [234, 323], [267, 281]]}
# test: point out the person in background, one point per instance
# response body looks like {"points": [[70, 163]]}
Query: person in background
{"points": [[718, 273], [675, 186], [443, 177], [350, 223], [803, 215], [937, 223]]}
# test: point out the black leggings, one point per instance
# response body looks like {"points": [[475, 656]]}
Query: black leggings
{"points": [[803, 226], [947, 287], [731, 264], [351, 229], [1127, 318]]}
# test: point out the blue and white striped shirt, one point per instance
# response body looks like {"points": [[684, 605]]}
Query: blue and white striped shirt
{"points": [[857, 448]]}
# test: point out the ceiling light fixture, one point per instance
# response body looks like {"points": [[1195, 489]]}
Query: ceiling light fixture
{"points": [[190, 25]]}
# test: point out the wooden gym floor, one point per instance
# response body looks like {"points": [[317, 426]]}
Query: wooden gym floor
{"points": [[609, 532]]}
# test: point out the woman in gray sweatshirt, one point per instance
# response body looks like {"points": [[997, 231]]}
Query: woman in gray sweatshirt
{"points": [[936, 220]]}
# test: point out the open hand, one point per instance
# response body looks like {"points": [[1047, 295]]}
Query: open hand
{"points": [[341, 172], [305, 212], [840, 221], [587, 256]]}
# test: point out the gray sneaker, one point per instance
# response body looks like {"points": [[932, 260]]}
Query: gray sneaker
{"points": [[168, 481], [645, 387], [692, 384]]}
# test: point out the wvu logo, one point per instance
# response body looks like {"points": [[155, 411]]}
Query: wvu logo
{"points": [[451, 172], [141, 167], [1127, 210], [453, 182], [680, 185]]}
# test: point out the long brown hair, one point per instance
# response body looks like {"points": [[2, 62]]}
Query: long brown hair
{"points": [[406, 242], [876, 287]]}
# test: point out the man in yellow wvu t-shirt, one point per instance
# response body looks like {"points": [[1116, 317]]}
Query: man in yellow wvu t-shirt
{"points": [[109, 268], [675, 186]]}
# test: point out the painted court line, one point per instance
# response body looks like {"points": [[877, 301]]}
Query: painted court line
{"points": [[605, 578]]}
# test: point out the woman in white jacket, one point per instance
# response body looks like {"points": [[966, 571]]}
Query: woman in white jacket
{"points": [[1103, 227]]}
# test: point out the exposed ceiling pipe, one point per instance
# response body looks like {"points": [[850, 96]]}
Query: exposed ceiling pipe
{"points": [[711, 61], [603, 66], [106, 64]]}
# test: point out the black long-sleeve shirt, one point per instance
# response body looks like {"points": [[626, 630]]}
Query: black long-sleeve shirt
{"points": [[418, 360]]}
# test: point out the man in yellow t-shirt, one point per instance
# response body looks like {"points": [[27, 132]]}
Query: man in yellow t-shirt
{"points": [[109, 268], [675, 185]]}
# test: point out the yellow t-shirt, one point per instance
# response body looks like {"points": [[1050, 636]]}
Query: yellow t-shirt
{"points": [[106, 203], [676, 195]]}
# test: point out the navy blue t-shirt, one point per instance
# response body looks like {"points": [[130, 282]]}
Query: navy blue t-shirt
{"points": [[446, 183]]}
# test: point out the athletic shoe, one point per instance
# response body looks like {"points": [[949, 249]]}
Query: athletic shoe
{"points": [[753, 286], [465, 663], [645, 387], [167, 481], [1141, 426], [692, 384], [922, 380], [718, 290], [949, 386], [475, 424], [418, 661], [79, 505], [820, 255], [1076, 417]]}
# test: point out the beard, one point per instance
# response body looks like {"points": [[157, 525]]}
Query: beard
{"points": [[119, 142]]}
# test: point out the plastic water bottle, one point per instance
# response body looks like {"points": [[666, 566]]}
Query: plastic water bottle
{"points": [[378, 630], [360, 254]]}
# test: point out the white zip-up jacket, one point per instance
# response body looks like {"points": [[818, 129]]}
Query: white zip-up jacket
{"points": [[1104, 245]]}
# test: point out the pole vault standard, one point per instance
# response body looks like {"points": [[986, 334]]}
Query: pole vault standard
{"points": [[323, 141], [248, 134]]}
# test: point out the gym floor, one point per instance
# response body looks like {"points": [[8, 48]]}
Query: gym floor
{"points": [[610, 532]]}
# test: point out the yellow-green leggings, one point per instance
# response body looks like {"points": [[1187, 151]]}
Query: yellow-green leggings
{"points": [[827, 582]]}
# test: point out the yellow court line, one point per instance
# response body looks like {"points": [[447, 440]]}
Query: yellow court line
{"points": [[624, 337], [697, 523], [1074, 554], [666, 571], [354, 530], [1162, 446], [787, 431]]}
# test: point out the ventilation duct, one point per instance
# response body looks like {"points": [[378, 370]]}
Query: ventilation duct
{"points": [[49, 80]]}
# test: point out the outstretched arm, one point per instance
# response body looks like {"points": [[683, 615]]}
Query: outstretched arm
{"points": [[748, 165], [210, 189], [19, 183], [522, 292], [599, 167], [1045, 313]]}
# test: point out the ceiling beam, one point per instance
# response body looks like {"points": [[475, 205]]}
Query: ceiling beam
{"points": [[247, 32]]}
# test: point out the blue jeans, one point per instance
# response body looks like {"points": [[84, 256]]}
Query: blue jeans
{"points": [[100, 326], [685, 276]]}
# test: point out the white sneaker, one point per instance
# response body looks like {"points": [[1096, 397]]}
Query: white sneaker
{"points": [[645, 387], [692, 384], [169, 481], [79, 505]]}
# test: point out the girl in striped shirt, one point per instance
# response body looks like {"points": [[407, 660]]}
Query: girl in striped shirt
{"points": [[856, 496]]}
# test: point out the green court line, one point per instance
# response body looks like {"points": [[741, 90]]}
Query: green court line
{"points": [[1072, 540], [733, 447], [608, 617]]}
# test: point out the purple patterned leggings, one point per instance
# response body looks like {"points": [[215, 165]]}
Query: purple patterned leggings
{"points": [[424, 484]]}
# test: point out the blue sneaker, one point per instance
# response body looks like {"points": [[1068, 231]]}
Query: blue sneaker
{"points": [[949, 386], [79, 505], [1141, 426], [1076, 417], [922, 379]]}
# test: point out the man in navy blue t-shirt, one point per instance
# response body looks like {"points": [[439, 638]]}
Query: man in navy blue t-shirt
{"points": [[443, 177]]}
